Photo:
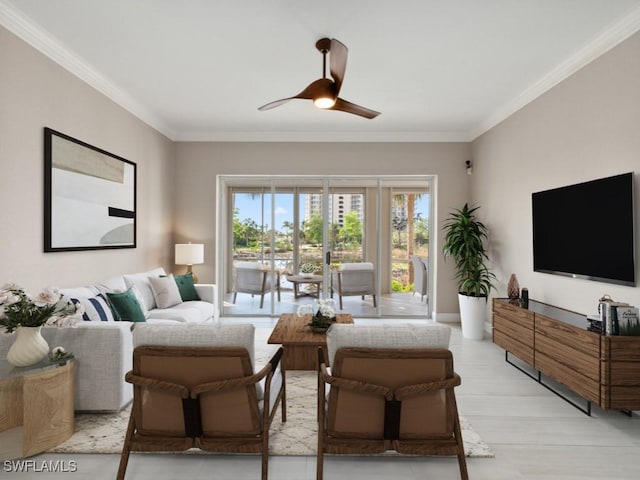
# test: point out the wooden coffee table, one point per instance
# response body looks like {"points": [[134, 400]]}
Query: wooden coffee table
{"points": [[299, 343]]}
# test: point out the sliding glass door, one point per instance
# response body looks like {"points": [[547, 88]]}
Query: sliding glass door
{"points": [[283, 240]]}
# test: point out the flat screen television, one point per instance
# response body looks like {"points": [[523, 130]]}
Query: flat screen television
{"points": [[586, 230]]}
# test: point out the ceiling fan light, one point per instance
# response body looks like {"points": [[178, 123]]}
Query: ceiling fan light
{"points": [[324, 102]]}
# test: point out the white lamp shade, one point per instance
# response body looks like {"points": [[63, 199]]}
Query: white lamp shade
{"points": [[189, 253]]}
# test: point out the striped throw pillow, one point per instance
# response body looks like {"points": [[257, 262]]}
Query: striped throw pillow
{"points": [[96, 309]]}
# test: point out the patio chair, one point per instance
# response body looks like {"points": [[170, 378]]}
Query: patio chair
{"points": [[354, 279], [391, 388], [253, 278], [420, 277], [194, 386]]}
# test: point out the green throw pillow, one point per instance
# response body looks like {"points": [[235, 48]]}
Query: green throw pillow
{"points": [[185, 286], [126, 306]]}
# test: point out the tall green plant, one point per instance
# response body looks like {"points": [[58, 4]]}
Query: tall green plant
{"points": [[464, 241]]}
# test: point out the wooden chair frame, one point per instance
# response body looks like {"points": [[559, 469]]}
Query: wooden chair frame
{"points": [[341, 442], [255, 441]]}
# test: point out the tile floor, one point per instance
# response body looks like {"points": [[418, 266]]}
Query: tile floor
{"points": [[534, 434]]}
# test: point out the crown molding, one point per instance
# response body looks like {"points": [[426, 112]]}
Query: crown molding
{"points": [[35, 36], [604, 42], [369, 137], [31, 33]]}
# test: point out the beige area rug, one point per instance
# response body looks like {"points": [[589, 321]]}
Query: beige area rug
{"points": [[104, 432]]}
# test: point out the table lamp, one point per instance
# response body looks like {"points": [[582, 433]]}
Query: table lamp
{"points": [[190, 254]]}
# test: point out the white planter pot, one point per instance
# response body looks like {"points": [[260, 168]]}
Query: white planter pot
{"points": [[28, 348], [472, 313]]}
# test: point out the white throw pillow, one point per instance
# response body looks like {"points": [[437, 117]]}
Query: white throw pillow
{"points": [[141, 281], [138, 295], [165, 291]]}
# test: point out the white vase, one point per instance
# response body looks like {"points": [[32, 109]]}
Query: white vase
{"points": [[472, 313], [28, 348]]}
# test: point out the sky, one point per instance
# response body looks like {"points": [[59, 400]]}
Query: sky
{"points": [[251, 208]]}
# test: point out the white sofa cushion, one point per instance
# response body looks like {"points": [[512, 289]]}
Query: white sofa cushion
{"points": [[112, 284], [386, 336], [186, 312], [79, 292], [141, 281]]}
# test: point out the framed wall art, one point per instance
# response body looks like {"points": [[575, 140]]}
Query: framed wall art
{"points": [[89, 196]]}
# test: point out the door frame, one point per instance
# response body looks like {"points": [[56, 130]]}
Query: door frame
{"points": [[375, 210]]}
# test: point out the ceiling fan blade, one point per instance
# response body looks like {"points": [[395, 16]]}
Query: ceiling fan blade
{"points": [[337, 62], [275, 104], [349, 107], [309, 93]]}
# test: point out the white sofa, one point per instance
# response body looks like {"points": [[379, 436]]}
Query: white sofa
{"points": [[103, 349]]}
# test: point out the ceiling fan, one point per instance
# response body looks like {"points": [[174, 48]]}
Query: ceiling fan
{"points": [[324, 91]]}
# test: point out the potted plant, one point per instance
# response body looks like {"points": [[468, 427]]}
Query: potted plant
{"points": [[464, 241]]}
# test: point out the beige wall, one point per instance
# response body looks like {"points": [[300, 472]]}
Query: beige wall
{"points": [[35, 92], [198, 164], [586, 127]]}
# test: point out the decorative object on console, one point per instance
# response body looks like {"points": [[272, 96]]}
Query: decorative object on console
{"points": [[525, 298], [26, 315], [89, 194], [464, 240], [628, 319], [190, 254], [513, 288], [611, 318]]}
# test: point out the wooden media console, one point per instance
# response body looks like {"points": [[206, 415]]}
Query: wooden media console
{"points": [[604, 370]]}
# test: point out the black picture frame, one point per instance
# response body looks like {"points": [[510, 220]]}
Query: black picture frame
{"points": [[90, 196]]}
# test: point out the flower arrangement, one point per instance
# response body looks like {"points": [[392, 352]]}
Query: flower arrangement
{"points": [[323, 317], [19, 309]]}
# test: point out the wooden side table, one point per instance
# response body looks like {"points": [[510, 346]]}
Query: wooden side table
{"points": [[308, 279], [37, 408]]}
